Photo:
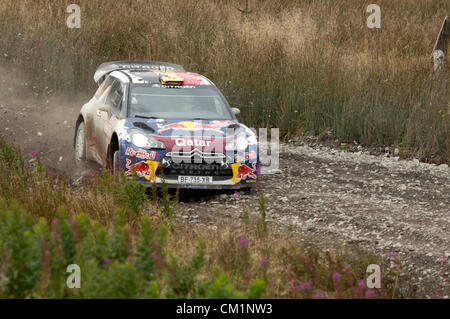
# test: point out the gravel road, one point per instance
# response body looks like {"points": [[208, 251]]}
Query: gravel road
{"points": [[338, 198]]}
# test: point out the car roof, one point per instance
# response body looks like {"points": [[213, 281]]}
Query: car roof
{"points": [[105, 68], [149, 72]]}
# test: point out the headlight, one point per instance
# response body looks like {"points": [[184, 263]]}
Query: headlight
{"points": [[252, 140], [144, 141], [241, 144]]}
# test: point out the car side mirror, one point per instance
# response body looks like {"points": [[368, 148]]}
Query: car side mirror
{"points": [[235, 111]]}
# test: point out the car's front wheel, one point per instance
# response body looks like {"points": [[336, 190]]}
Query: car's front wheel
{"points": [[80, 143]]}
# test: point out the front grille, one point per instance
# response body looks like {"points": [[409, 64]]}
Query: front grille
{"points": [[170, 169], [195, 156]]}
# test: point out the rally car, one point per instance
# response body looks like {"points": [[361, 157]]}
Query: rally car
{"points": [[155, 122]]}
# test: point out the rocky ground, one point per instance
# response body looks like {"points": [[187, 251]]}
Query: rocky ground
{"points": [[325, 195], [335, 198]]}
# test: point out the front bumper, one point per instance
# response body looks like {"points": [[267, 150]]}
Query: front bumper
{"points": [[154, 167]]}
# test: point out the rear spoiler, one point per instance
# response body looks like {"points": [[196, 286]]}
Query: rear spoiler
{"points": [[108, 67]]}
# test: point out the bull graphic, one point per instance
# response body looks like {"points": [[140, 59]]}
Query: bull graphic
{"points": [[141, 169], [242, 172]]}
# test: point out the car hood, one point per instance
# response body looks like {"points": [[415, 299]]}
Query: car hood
{"points": [[190, 133]]}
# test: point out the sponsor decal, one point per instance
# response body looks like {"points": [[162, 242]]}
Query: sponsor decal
{"points": [[146, 169], [140, 154], [153, 67], [242, 172], [243, 157], [195, 186], [191, 142], [196, 126], [192, 78], [173, 86]]}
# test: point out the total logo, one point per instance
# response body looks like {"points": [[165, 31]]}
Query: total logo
{"points": [[192, 142]]}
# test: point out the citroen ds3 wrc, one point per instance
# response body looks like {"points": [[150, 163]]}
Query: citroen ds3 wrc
{"points": [[160, 124]]}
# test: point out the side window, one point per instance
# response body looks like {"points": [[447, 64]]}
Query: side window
{"points": [[115, 97], [104, 88]]}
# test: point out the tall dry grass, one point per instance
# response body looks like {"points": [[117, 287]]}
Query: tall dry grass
{"points": [[302, 66]]}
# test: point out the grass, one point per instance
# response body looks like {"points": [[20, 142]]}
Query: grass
{"points": [[132, 246], [303, 66]]}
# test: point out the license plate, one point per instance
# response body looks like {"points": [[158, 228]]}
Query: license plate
{"points": [[196, 180]]}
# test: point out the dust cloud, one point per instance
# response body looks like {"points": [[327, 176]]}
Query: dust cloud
{"points": [[38, 120]]}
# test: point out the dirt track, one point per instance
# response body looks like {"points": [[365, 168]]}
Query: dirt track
{"points": [[327, 196], [337, 198]]}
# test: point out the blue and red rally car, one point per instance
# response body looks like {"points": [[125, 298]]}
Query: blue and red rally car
{"points": [[157, 122]]}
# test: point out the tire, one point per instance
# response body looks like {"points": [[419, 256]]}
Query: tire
{"points": [[80, 143]]}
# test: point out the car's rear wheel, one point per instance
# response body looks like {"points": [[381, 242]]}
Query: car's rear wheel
{"points": [[80, 143]]}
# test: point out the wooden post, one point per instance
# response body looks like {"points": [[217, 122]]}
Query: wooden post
{"points": [[441, 46]]}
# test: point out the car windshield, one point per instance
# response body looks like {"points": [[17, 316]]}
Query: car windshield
{"points": [[183, 103]]}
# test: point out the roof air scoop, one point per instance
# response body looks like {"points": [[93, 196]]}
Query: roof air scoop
{"points": [[170, 78]]}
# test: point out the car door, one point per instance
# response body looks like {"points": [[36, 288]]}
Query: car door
{"points": [[94, 120], [108, 119]]}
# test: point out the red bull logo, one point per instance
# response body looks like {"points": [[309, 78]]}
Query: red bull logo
{"points": [[197, 126], [142, 154], [146, 169], [242, 172]]}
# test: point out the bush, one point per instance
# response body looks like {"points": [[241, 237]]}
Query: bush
{"points": [[35, 257]]}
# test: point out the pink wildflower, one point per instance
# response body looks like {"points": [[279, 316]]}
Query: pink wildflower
{"points": [[305, 286], [244, 242], [264, 262]]}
